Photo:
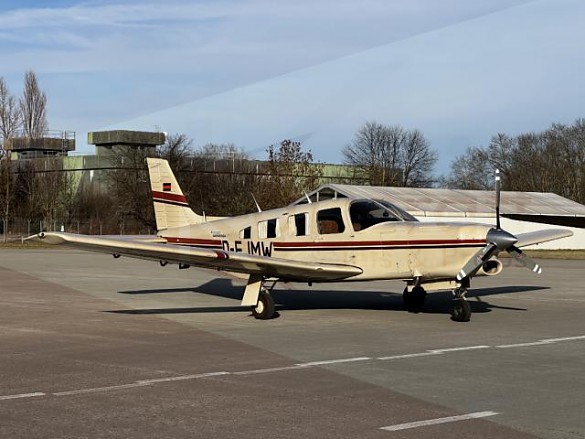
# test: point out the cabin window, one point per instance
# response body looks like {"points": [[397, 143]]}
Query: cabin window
{"points": [[268, 228], [246, 233], [330, 221], [297, 224]]}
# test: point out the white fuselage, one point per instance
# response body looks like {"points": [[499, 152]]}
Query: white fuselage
{"points": [[327, 232]]}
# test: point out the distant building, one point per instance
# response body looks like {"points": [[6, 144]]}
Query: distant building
{"points": [[107, 142], [52, 144]]}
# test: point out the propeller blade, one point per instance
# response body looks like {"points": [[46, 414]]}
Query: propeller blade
{"points": [[476, 261], [517, 254]]}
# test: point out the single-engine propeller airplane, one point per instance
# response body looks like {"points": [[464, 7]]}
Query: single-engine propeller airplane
{"points": [[325, 241]]}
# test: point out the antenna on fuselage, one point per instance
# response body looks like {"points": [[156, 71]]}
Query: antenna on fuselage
{"points": [[308, 198], [256, 203], [498, 184]]}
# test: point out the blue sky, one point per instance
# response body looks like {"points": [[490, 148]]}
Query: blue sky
{"points": [[253, 72]]}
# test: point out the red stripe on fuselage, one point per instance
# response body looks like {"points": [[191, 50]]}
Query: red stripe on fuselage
{"points": [[169, 197], [446, 242]]}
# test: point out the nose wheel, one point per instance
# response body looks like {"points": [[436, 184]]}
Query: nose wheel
{"points": [[461, 311]]}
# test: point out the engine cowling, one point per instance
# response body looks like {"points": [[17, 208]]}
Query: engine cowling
{"points": [[491, 267]]}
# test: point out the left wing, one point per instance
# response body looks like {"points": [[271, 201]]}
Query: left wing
{"points": [[284, 269]]}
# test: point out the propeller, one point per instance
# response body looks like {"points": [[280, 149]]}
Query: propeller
{"points": [[497, 240]]}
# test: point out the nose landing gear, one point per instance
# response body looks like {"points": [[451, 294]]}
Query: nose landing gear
{"points": [[461, 311]]}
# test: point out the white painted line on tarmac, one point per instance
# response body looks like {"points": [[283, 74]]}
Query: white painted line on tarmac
{"points": [[433, 352], [153, 381], [448, 419], [522, 345], [141, 383], [22, 395], [269, 370], [182, 378], [543, 342], [464, 348], [100, 389], [342, 360], [400, 357], [555, 340]]}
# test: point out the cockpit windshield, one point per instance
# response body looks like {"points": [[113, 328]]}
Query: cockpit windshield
{"points": [[367, 213]]}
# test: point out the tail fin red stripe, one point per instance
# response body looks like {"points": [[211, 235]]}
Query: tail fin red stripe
{"points": [[169, 197]]}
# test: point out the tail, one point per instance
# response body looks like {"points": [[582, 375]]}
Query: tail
{"points": [[170, 205]]}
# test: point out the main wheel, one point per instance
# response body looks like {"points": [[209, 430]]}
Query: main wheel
{"points": [[461, 311], [414, 300], [264, 309]]}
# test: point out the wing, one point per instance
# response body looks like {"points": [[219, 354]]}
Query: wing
{"points": [[284, 269], [539, 236]]}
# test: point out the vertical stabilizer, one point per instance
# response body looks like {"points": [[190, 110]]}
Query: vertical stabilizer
{"points": [[170, 205]]}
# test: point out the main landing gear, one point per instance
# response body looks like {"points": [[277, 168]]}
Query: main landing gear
{"points": [[461, 311], [264, 309], [257, 296], [414, 299]]}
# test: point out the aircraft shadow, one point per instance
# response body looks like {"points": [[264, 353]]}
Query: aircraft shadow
{"points": [[309, 299]]}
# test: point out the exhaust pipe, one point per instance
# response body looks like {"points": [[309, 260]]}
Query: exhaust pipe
{"points": [[491, 267]]}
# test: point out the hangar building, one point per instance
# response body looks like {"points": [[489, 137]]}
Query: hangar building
{"points": [[520, 211]]}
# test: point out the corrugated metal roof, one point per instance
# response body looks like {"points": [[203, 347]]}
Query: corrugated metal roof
{"points": [[458, 203]]}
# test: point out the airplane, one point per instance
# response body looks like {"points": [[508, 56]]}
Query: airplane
{"points": [[334, 240]]}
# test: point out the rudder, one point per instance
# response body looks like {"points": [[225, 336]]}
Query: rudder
{"points": [[170, 205]]}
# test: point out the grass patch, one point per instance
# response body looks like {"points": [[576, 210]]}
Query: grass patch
{"points": [[556, 254], [19, 244]]}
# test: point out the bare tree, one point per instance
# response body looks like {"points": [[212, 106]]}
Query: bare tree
{"points": [[471, 170], [549, 161], [10, 113], [290, 172], [33, 105], [130, 186], [43, 191], [391, 156], [417, 160], [222, 180], [10, 121], [177, 150]]}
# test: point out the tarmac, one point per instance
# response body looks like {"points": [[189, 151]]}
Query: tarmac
{"points": [[92, 346]]}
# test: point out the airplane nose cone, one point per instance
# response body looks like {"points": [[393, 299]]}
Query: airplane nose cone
{"points": [[502, 239]]}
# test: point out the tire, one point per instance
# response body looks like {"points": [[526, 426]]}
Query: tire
{"points": [[461, 311], [264, 310], [414, 300]]}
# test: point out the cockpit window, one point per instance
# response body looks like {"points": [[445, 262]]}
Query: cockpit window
{"points": [[367, 213]]}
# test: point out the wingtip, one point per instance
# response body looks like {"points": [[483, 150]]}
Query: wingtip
{"points": [[36, 237]]}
